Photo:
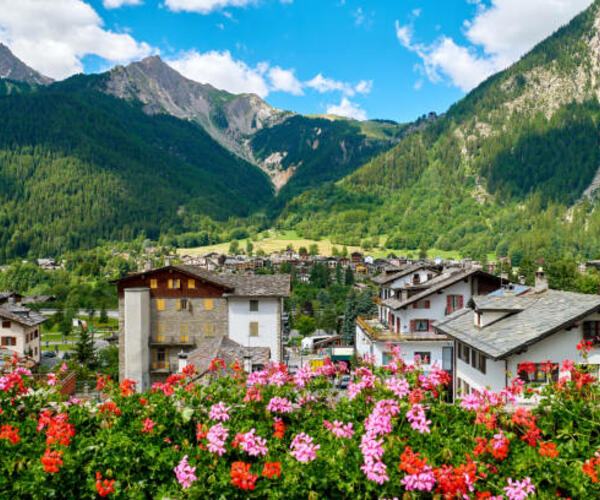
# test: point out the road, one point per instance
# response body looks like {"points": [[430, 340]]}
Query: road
{"points": [[111, 313]]}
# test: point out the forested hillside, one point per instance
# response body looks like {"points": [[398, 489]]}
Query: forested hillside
{"points": [[77, 168], [504, 170]]}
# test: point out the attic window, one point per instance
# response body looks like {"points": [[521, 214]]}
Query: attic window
{"points": [[6, 324], [254, 305]]}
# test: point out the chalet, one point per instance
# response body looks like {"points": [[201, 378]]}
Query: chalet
{"points": [[174, 309], [356, 258], [421, 296], [12, 297], [496, 334], [20, 330]]}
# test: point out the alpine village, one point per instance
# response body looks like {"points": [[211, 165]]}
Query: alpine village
{"points": [[203, 296]]}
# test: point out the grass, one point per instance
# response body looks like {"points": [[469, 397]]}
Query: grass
{"points": [[277, 242]]}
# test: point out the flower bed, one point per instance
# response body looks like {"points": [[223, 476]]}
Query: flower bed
{"points": [[271, 435]]}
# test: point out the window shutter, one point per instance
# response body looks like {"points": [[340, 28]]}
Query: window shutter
{"points": [[208, 304], [431, 325], [461, 302], [191, 283], [448, 304], [427, 304], [153, 283], [170, 283], [416, 305], [178, 307], [412, 325]]}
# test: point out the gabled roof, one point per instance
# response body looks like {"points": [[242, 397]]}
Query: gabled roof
{"points": [[266, 285], [384, 278], [436, 284], [21, 315], [534, 317]]}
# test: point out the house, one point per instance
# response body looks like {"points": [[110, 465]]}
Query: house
{"points": [[12, 297], [20, 330], [421, 296], [184, 308], [394, 278], [497, 334], [356, 258]]}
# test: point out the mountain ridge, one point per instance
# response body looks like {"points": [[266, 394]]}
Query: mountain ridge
{"points": [[12, 68]]}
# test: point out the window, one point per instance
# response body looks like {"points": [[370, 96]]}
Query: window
{"points": [[254, 305], [538, 373], [478, 361], [424, 357], [185, 333], [160, 304], [208, 304], [416, 279], [591, 331], [210, 329], [453, 303], [182, 305], [161, 333], [421, 325], [191, 283], [9, 341], [6, 324], [35, 351], [36, 333], [421, 304], [254, 329], [153, 283], [387, 357], [463, 352], [174, 284]]}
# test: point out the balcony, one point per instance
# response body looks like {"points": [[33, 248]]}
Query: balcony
{"points": [[380, 332], [160, 367], [172, 340]]}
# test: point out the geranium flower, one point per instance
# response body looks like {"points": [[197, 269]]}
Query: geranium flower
{"points": [[185, 473], [11, 433], [519, 490], [219, 412], [51, 460], [241, 476], [280, 405], [251, 443], [148, 426], [548, 450], [127, 387], [104, 487], [216, 436], [303, 448], [339, 429], [271, 469]]}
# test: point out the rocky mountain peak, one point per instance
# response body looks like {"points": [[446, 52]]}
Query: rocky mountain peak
{"points": [[13, 68]]}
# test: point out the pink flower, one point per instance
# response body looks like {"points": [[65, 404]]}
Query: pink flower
{"points": [[417, 418], [399, 386], [471, 402], [375, 470], [339, 429], [252, 444], [216, 437], [219, 412], [148, 425], [303, 376], [519, 490], [280, 405], [51, 379], [420, 481], [303, 448], [184, 473]]}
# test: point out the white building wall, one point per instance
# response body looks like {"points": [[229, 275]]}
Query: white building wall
{"points": [[268, 317], [20, 332], [493, 379]]}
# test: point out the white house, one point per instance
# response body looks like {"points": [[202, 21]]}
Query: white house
{"points": [[497, 333], [20, 330], [407, 317]]}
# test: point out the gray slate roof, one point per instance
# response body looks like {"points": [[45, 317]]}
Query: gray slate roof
{"points": [[228, 350], [434, 285], [540, 315], [21, 315], [384, 278]]}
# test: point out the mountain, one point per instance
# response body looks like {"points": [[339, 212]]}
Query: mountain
{"points": [[288, 147], [13, 68], [512, 168], [78, 167]]}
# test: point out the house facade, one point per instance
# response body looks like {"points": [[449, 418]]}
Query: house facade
{"points": [[420, 296], [183, 309], [20, 330], [529, 335]]}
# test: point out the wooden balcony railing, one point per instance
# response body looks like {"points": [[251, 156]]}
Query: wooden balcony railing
{"points": [[183, 340], [158, 366]]}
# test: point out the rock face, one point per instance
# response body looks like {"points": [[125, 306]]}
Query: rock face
{"points": [[228, 118], [14, 69]]}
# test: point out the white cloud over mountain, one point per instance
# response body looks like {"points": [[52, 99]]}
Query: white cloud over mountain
{"points": [[348, 109], [498, 35], [208, 6], [115, 4], [53, 37]]}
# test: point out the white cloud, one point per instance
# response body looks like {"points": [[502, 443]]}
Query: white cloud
{"points": [[53, 37], [323, 84], [284, 80], [115, 4], [499, 35], [204, 6], [221, 70], [364, 86], [347, 109]]}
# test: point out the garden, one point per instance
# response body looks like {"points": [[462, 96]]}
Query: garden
{"points": [[273, 435]]}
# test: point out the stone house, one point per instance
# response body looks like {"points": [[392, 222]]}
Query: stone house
{"points": [[181, 309], [20, 330]]}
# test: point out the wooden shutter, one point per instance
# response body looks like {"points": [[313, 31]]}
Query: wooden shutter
{"points": [[431, 325], [191, 283], [170, 283], [427, 304], [416, 305], [412, 325], [448, 304], [160, 304], [208, 304], [460, 302], [153, 283]]}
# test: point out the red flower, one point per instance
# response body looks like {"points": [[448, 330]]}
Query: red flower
{"points": [[59, 430], [241, 476], [590, 468], [148, 426], [189, 370], [127, 387], [481, 447], [11, 433], [271, 469], [411, 462], [548, 450], [104, 486], [102, 381], [51, 460], [279, 429], [527, 367], [109, 407], [216, 364], [585, 346]]}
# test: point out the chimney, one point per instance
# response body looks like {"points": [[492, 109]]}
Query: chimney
{"points": [[541, 283], [182, 361], [509, 289]]}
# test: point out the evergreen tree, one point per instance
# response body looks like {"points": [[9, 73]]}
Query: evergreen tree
{"points": [[349, 277], [338, 274], [84, 349]]}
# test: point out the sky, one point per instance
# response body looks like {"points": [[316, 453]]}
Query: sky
{"points": [[388, 59]]}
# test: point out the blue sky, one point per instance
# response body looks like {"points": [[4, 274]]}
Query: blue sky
{"points": [[394, 59]]}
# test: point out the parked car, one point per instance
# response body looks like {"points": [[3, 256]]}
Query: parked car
{"points": [[344, 381], [48, 354]]}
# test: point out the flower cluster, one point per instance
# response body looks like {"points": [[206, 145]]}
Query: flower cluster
{"points": [[339, 429], [303, 449], [184, 473], [280, 405], [216, 436], [251, 443], [219, 412], [242, 477]]}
